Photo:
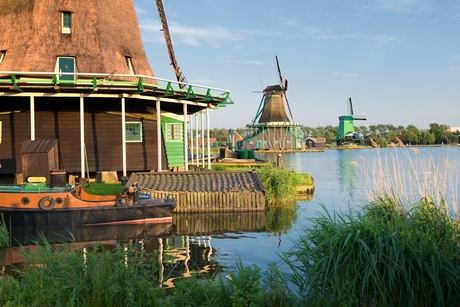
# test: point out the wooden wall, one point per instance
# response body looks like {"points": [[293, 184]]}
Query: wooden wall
{"points": [[60, 119], [214, 201], [273, 138]]}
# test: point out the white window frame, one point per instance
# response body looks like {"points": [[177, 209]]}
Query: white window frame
{"points": [[174, 135], [66, 29], [129, 63], [2, 55], [130, 128]]}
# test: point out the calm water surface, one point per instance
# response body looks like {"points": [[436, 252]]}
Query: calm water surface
{"points": [[339, 185], [203, 242]]}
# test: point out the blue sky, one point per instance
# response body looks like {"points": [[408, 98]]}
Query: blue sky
{"points": [[399, 60]]}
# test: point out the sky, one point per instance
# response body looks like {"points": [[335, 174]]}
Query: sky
{"points": [[399, 60]]}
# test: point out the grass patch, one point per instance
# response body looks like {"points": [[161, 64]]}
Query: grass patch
{"points": [[280, 184], [104, 188], [5, 239], [126, 276]]}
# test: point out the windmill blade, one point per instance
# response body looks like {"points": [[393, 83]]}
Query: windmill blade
{"points": [[283, 81], [289, 108], [350, 107]]}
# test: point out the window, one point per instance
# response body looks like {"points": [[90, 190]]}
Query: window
{"points": [[174, 132], [133, 131], [66, 22], [129, 63], [66, 65], [2, 55]]}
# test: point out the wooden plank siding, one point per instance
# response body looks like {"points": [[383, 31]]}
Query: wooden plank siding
{"points": [[213, 201], [61, 121], [273, 138]]}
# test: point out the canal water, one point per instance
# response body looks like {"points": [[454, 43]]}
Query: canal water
{"points": [[344, 179]]}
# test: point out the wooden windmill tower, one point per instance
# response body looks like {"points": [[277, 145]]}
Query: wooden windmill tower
{"points": [[275, 129], [72, 36], [76, 72], [346, 132]]}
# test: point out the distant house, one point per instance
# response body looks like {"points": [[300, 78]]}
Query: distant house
{"points": [[204, 142], [315, 142]]}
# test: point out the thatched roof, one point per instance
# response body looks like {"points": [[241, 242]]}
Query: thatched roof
{"points": [[274, 109], [103, 34]]}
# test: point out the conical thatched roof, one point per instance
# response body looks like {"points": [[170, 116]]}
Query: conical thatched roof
{"points": [[274, 109], [103, 34]]}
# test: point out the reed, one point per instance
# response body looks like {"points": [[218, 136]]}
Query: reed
{"points": [[5, 238], [407, 176], [93, 276], [400, 249]]}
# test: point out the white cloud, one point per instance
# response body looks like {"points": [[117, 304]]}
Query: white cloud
{"points": [[210, 35], [388, 38], [404, 6]]}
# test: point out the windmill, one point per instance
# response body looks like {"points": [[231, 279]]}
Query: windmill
{"points": [[274, 103], [346, 132], [274, 124]]}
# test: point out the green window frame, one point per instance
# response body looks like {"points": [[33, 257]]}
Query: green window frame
{"points": [[174, 132], [133, 132], [66, 22]]}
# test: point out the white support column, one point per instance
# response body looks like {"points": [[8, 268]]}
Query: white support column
{"points": [[82, 137], [185, 138], [207, 136], [158, 107], [123, 135], [191, 139], [202, 138], [196, 137], [32, 118]]}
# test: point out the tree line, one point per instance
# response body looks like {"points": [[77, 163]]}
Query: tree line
{"points": [[382, 134]]}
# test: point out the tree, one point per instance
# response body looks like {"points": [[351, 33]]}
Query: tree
{"points": [[410, 137], [441, 133], [427, 138]]}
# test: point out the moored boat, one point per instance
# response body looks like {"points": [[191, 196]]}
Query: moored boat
{"points": [[35, 205]]}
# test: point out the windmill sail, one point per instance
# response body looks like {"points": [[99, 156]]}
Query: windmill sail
{"points": [[284, 84]]}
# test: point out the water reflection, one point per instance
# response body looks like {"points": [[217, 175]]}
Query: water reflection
{"points": [[182, 247], [346, 172]]}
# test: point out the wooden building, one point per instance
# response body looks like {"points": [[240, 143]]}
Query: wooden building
{"points": [[273, 129], [76, 72]]}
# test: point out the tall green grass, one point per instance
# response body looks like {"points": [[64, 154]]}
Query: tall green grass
{"points": [[59, 276], [280, 184], [400, 249], [5, 238], [384, 255]]}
